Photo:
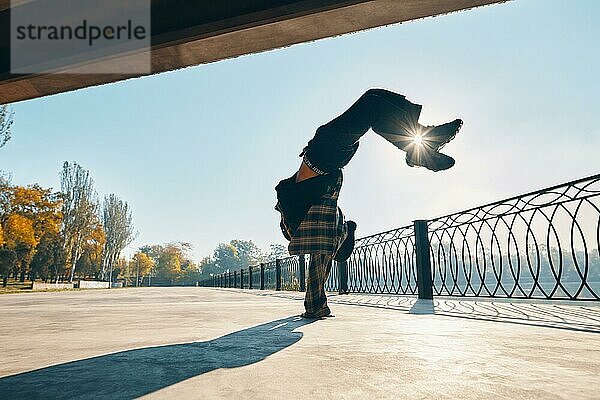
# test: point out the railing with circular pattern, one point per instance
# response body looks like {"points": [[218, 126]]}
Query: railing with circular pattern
{"points": [[544, 244], [384, 263], [270, 275]]}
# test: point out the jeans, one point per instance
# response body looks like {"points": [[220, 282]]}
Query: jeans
{"points": [[389, 114]]}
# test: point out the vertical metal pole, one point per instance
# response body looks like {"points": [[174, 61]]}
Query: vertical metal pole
{"points": [[241, 278], [302, 272], [424, 282], [277, 274], [235, 279], [249, 277], [228, 279], [342, 277], [262, 276]]}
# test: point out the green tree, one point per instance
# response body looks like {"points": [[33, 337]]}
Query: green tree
{"points": [[6, 121], [79, 210], [8, 259], [235, 255], [276, 251], [118, 228], [169, 264], [171, 261], [48, 261], [208, 267], [140, 266], [248, 252], [190, 274]]}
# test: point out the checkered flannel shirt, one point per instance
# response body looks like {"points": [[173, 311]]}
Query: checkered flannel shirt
{"points": [[322, 229]]}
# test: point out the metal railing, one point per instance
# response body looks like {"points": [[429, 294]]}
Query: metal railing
{"points": [[544, 244]]}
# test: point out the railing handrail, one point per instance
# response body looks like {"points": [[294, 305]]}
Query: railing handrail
{"points": [[518, 258], [517, 197], [365, 238]]}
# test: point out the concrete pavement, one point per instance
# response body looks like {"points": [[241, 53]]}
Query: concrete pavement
{"points": [[232, 344]]}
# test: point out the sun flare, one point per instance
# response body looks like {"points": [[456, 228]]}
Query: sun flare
{"points": [[418, 140]]}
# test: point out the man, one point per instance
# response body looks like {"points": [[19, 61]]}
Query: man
{"points": [[307, 201]]}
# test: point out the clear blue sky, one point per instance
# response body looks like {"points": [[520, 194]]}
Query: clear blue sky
{"points": [[197, 152]]}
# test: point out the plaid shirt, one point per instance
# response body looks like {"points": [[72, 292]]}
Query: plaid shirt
{"points": [[322, 228]]}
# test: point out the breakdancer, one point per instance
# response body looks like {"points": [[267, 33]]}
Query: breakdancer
{"points": [[307, 201]]}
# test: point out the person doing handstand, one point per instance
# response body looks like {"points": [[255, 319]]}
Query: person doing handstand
{"points": [[307, 201]]}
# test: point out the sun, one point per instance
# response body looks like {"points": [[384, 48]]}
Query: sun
{"points": [[418, 140]]}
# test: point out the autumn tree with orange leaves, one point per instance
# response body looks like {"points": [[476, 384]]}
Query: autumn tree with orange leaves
{"points": [[26, 215]]}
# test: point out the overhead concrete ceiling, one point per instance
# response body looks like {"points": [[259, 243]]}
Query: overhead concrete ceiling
{"points": [[192, 32]]}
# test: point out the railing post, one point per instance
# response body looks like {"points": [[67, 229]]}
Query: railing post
{"points": [[277, 274], [262, 276], [424, 282], [229, 279], [249, 277], [242, 278], [342, 277], [302, 272], [235, 279]]}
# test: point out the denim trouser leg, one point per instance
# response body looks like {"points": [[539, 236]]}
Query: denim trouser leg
{"points": [[387, 113]]}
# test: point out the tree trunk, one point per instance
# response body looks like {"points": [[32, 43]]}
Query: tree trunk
{"points": [[73, 263]]}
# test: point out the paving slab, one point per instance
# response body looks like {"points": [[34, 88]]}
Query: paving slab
{"points": [[210, 343]]}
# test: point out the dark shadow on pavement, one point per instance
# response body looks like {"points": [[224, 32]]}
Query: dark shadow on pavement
{"points": [[566, 315], [422, 306], [134, 373]]}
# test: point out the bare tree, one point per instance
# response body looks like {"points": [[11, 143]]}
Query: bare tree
{"points": [[118, 229], [80, 207], [6, 121]]}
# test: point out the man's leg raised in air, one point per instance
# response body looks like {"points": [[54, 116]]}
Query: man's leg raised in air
{"points": [[391, 116]]}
